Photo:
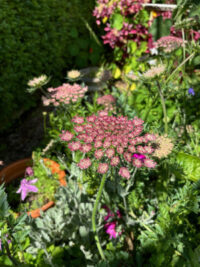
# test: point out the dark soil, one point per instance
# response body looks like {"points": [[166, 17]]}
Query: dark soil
{"points": [[24, 137]]}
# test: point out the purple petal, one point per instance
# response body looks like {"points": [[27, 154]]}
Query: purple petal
{"points": [[19, 190], [23, 194], [33, 181], [31, 188]]}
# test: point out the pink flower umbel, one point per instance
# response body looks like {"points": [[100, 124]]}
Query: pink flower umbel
{"points": [[110, 141], [26, 187], [84, 163], [124, 172], [65, 94]]}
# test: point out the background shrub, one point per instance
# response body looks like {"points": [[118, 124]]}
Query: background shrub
{"points": [[47, 36]]}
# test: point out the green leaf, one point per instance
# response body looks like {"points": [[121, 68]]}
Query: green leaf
{"points": [[190, 165], [83, 231], [117, 22]]}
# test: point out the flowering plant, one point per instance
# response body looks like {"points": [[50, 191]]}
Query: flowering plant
{"points": [[107, 144]]}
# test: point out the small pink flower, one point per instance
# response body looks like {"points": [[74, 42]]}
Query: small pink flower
{"points": [[127, 156], [89, 139], [74, 146], [98, 154], [86, 148], [114, 161], [150, 137], [124, 172], [78, 120], [91, 118], [137, 163], [131, 148], [97, 144], [141, 149], [84, 163], [66, 136], [103, 113], [102, 168], [78, 128], [148, 149], [106, 144], [120, 150], [110, 152], [149, 163]]}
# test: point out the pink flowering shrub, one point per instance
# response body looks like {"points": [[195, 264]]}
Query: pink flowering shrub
{"points": [[110, 141], [124, 23], [65, 93]]}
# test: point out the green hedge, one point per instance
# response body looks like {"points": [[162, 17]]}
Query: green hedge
{"points": [[41, 36]]}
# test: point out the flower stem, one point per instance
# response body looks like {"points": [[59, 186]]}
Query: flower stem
{"points": [[163, 106], [94, 216]]}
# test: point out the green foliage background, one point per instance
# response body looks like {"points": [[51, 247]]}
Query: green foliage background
{"points": [[47, 36]]}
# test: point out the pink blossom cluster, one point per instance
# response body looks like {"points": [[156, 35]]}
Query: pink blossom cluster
{"points": [[169, 43], [111, 141], [130, 31], [107, 101], [111, 225], [129, 7], [137, 33], [103, 10], [65, 93]]}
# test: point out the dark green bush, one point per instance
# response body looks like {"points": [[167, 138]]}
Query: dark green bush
{"points": [[41, 36]]}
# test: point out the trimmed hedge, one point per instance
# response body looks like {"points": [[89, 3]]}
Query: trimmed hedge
{"points": [[41, 36]]}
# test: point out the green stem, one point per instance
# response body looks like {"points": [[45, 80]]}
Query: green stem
{"points": [[184, 61], [163, 106], [94, 228]]}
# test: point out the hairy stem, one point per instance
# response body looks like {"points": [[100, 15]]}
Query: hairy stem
{"points": [[163, 106], [94, 228]]}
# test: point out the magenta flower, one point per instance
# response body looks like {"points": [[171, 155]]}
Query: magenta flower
{"points": [[26, 187], [139, 156], [110, 229]]}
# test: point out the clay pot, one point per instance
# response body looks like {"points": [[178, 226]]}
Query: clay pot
{"points": [[17, 170]]}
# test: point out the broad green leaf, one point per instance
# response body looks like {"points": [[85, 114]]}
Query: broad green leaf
{"points": [[190, 165], [117, 22]]}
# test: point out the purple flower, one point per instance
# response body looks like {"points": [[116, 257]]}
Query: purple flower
{"points": [[29, 171], [139, 156], [26, 187], [191, 91]]}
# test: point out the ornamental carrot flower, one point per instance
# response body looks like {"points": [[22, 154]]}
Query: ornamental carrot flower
{"points": [[26, 187], [110, 140]]}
